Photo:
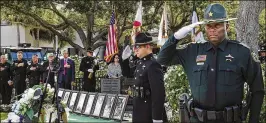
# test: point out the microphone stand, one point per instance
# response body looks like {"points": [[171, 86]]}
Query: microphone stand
{"points": [[43, 94], [55, 94], [55, 97]]}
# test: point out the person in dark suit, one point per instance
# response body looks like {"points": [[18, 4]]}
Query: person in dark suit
{"points": [[34, 72], [66, 72], [148, 89], [45, 68], [6, 83], [20, 67], [88, 67]]}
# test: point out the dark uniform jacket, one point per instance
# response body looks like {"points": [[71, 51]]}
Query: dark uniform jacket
{"points": [[149, 91], [234, 66], [35, 76], [45, 73], [20, 75], [6, 74], [5, 88], [88, 63]]}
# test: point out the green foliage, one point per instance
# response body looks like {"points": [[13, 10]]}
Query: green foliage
{"points": [[176, 83], [77, 61], [262, 22], [3, 115]]}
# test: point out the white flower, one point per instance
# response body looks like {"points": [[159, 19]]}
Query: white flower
{"points": [[22, 100], [16, 110], [30, 93], [51, 90], [48, 86], [13, 117]]}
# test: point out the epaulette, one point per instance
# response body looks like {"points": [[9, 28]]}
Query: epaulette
{"points": [[240, 43]]}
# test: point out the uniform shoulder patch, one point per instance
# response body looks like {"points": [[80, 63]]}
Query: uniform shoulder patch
{"points": [[183, 46]]}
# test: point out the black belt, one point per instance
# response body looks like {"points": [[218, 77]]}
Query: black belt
{"points": [[141, 92], [230, 114]]}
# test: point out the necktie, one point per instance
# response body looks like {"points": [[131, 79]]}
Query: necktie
{"points": [[210, 99], [64, 67]]}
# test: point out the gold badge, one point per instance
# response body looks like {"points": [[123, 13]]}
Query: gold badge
{"points": [[210, 14]]}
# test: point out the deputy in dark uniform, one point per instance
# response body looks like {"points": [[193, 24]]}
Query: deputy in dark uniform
{"points": [[5, 80], [88, 67], [34, 72], [19, 67], [45, 69], [148, 91], [216, 70]]}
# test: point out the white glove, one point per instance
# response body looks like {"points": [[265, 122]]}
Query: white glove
{"points": [[10, 82], [182, 33], [90, 70], [157, 121]]}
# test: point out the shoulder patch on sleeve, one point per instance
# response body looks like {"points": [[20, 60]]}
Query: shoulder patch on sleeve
{"points": [[181, 46]]}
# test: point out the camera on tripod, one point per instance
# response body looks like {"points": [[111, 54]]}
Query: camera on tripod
{"points": [[262, 53]]}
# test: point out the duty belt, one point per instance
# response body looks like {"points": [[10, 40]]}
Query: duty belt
{"points": [[141, 92], [230, 114]]}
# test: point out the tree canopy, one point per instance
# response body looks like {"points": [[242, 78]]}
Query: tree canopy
{"points": [[90, 19]]}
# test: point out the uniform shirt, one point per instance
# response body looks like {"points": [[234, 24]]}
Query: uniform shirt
{"points": [[114, 70], [86, 63], [149, 75], [6, 72], [45, 71], [20, 70], [235, 65], [36, 74]]}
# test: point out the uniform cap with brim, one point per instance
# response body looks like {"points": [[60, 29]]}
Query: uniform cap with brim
{"points": [[89, 50], [215, 13], [144, 38], [50, 54]]}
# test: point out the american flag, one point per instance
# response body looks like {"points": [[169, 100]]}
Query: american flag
{"points": [[111, 44]]}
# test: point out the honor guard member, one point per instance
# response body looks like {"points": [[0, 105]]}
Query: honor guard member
{"points": [[47, 65], [34, 72], [148, 89], [216, 70], [88, 67], [5, 80], [20, 68]]}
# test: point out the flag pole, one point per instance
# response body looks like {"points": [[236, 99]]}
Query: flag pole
{"points": [[193, 31]]}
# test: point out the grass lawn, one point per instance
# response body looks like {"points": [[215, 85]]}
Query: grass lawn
{"points": [[3, 115]]}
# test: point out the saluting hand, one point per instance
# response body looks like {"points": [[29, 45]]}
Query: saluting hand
{"points": [[182, 33]]}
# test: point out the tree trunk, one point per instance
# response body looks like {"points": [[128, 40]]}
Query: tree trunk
{"points": [[18, 33], [38, 38], [247, 24]]}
